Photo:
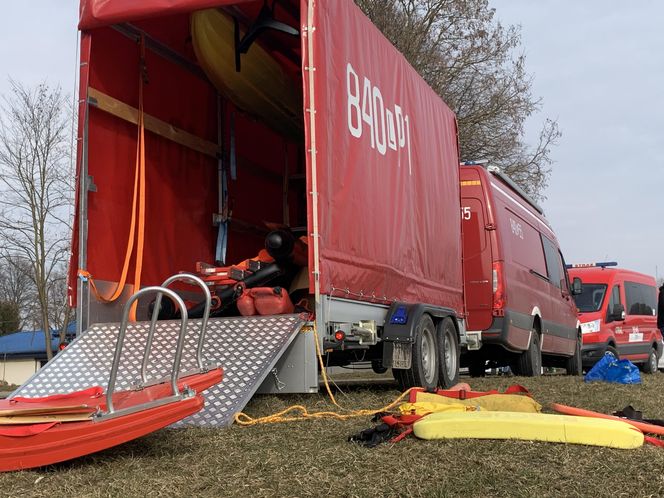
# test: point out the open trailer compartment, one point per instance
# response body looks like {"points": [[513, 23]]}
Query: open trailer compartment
{"points": [[325, 132]]}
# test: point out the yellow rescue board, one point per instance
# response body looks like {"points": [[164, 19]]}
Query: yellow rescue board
{"points": [[262, 87], [529, 427]]}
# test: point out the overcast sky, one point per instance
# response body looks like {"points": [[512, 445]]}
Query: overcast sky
{"points": [[597, 65]]}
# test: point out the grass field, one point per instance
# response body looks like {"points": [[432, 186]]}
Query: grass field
{"points": [[313, 458]]}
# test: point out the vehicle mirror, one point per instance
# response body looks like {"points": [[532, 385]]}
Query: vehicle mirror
{"points": [[577, 286], [618, 312]]}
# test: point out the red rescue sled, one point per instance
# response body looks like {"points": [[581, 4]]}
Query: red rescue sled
{"points": [[52, 438], [43, 431]]}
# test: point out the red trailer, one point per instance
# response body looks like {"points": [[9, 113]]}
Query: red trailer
{"points": [[213, 131]]}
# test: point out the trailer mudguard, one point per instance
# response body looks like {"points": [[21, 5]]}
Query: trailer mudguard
{"points": [[400, 324]]}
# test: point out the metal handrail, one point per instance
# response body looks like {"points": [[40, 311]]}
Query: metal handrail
{"points": [[121, 335], [155, 315]]}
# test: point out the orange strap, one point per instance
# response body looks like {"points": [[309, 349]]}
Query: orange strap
{"points": [[141, 195], [138, 199]]}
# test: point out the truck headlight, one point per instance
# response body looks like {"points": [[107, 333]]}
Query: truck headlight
{"points": [[589, 327]]}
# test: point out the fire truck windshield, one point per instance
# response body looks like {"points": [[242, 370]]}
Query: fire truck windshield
{"points": [[591, 298]]}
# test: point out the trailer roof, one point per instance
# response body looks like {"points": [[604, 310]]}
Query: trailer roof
{"points": [[96, 13]]}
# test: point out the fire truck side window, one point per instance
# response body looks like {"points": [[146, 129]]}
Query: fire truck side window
{"points": [[615, 297], [553, 265], [641, 299]]}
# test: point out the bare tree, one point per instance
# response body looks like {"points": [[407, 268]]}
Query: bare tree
{"points": [[60, 313], [469, 59], [10, 319], [35, 187], [17, 288]]}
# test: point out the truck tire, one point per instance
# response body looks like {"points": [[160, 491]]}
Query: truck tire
{"points": [[423, 371], [613, 351], [529, 363], [573, 364], [650, 366], [448, 353]]}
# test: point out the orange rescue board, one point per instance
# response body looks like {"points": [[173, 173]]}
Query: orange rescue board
{"points": [[642, 426]]}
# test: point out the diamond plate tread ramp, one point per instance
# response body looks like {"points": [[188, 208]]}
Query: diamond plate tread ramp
{"points": [[247, 348]]}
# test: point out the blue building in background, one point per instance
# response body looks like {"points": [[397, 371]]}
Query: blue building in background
{"points": [[23, 353]]}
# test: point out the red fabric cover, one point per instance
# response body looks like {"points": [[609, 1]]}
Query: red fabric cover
{"points": [[182, 185], [25, 430], [82, 395], [96, 13], [389, 223]]}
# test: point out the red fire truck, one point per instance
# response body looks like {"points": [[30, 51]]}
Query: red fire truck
{"points": [[518, 294], [618, 308]]}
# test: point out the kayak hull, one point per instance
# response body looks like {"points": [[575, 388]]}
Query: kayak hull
{"points": [[261, 88]]}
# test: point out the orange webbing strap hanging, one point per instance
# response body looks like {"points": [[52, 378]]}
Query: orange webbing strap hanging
{"points": [[142, 77], [138, 199]]}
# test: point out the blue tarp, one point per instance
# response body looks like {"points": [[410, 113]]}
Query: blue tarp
{"points": [[31, 343], [611, 369]]}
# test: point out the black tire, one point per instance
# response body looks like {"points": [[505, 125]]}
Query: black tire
{"points": [[650, 366], [573, 364], [477, 367], [529, 363], [449, 353], [613, 351], [423, 371]]}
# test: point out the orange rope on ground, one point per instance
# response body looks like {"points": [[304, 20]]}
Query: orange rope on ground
{"points": [[302, 412]]}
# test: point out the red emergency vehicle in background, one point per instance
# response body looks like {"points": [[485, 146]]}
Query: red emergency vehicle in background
{"points": [[518, 295], [618, 313]]}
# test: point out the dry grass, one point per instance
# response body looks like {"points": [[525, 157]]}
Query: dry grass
{"points": [[313, 458]]}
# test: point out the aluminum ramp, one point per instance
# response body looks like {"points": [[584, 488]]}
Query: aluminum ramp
{"points": [[247, 348]]}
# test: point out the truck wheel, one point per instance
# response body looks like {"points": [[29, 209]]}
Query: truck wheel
{"points": [[573, 363], [448, 353], [529, 363], [613, 351], [650, 366], [423, 371]]}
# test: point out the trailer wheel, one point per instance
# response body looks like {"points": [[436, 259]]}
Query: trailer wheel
{"points": [[529, 363], [573, 364], [423, 371], [650, 366], [448, 353]]}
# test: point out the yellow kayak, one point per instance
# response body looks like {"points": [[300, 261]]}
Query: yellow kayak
{"points": [[262, 87], [529, 427]]}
